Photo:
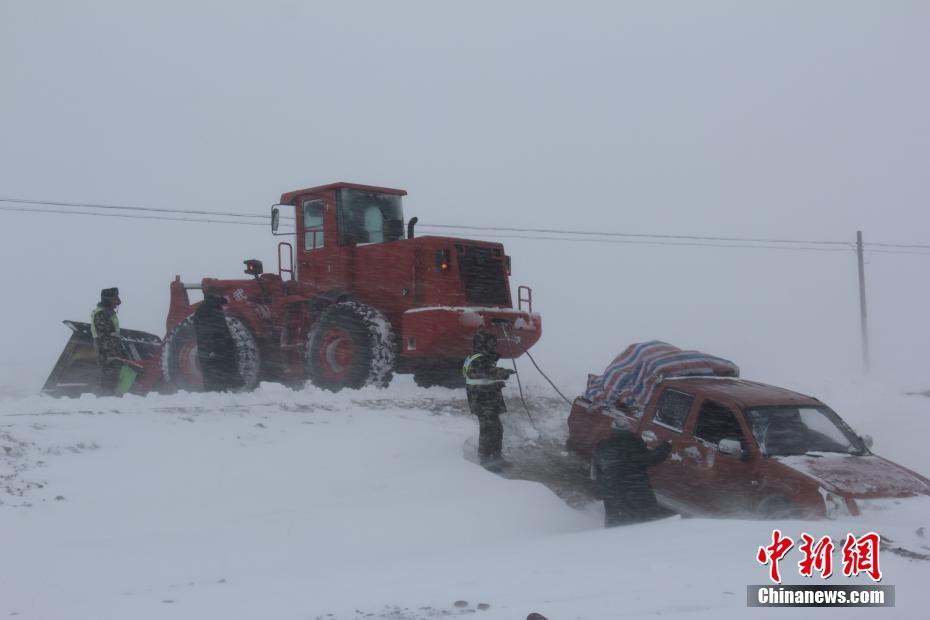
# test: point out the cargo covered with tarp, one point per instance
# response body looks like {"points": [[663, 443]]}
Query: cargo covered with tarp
{"points": [[629, 380]]}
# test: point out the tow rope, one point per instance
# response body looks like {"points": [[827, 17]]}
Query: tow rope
{"points": [[513, 360]]}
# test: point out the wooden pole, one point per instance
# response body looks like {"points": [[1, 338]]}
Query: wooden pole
{"points": [[863, 316]]}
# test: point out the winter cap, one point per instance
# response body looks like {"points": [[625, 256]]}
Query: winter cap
{"points": [[484, 342], [621, 424], [109, 295]]}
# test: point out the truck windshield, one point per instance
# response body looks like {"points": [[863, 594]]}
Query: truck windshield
{"points": [[369, 217], [787, 430]]}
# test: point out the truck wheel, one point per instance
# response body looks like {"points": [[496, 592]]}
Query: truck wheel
{"points": [[351, 346], [181, 368], [778, 507], [444, 374]]}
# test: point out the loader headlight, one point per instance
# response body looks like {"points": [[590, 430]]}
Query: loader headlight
{"points": [[835, 506], [442, 260], [253, 267]]}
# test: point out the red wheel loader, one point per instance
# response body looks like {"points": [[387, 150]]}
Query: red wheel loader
{"points": [[354, 301]]}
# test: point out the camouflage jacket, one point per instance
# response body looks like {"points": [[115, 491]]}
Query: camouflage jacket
{"points": [[484, 381], [104, 325]]}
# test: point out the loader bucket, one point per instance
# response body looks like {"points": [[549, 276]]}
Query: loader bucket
{"points": [[77, 372]]}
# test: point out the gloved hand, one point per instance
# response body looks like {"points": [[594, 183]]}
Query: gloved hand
{"points": [[665, 448]]}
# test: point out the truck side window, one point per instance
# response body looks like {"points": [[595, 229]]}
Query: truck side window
{"points": [[313, 224], [716, 422], [672, 409]]}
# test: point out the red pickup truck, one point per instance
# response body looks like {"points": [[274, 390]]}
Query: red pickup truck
{"points": [[744, 448]]}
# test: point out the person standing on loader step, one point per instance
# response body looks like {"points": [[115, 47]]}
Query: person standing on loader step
{"points": [[483, 384], [216, 348], [620, 463], [104, 326]]}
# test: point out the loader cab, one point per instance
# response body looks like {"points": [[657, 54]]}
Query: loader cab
{"points": [[329, 223], [341, 214]]}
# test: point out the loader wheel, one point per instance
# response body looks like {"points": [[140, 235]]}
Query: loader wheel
{"points": [[443, 374], [351, 346], [181, 368]]}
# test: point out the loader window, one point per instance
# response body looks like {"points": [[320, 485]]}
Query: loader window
{"points": [[368, 217], [313, 224], [374, 224]]}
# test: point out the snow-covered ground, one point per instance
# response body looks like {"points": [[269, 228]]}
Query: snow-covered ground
{"points": [[282, 504]]}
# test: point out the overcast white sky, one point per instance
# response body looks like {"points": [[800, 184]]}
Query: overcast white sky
{"points": [[774, 119]]}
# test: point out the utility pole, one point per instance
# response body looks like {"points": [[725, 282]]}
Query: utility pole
{"points": [[863, 317]]}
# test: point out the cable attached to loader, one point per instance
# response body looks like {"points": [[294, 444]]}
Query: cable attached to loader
{"points": [[547, 378], [513, 359], [503, 326]]}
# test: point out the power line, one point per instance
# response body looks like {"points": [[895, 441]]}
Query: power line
{"points": [[90, 205], [665, 243], [129, 216], [613, 241], [639, 235], [900, 245], [898, 252], [542, 234]]}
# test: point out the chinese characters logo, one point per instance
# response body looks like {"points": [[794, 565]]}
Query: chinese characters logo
{"points": [[859, 555]]}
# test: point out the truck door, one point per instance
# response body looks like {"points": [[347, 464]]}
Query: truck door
{"points": [[667, 422], [720, 482]]}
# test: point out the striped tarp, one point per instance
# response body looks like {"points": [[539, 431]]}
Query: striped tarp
{"points": [[632, 376]]}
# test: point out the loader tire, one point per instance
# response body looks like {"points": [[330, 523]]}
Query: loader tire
{"points": [[181, 368], [351, 346]]}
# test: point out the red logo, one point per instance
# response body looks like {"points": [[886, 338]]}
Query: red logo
{"points": [[860, 555], [774, 553], [816, 556]]}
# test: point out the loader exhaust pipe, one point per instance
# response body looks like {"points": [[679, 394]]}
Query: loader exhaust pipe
{"points": [[413, 222]]}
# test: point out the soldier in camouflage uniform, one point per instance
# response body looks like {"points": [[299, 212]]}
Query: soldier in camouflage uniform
{"points": [[483, 384], [104, 325]]}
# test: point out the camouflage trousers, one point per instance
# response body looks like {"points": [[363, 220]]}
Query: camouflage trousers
{"points": [[490, 435], [109, 378]]}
